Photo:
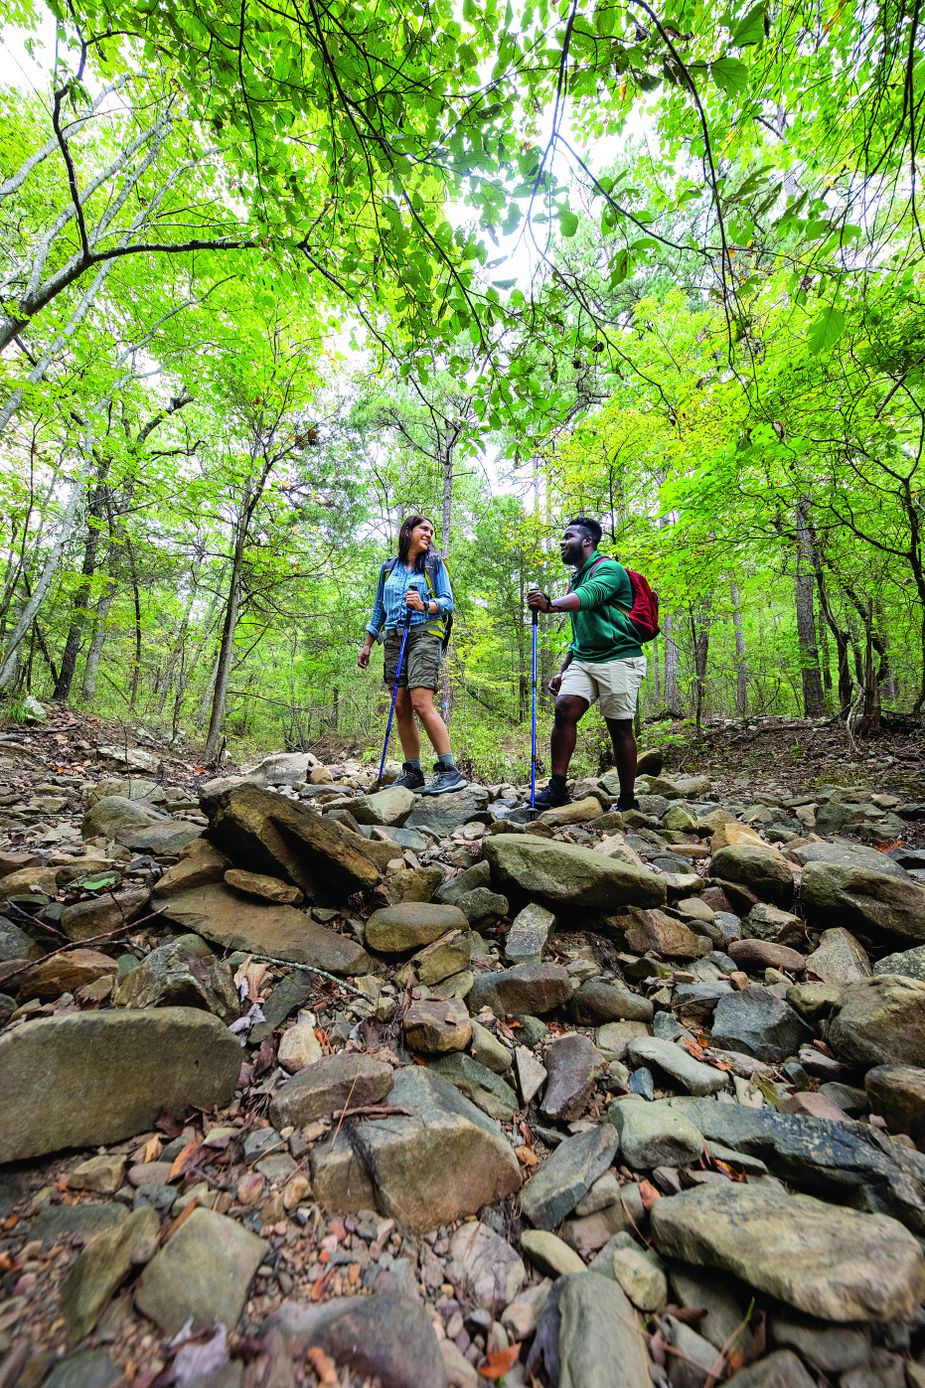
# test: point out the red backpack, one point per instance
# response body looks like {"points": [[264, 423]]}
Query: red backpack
{"points": [[644, 612]]}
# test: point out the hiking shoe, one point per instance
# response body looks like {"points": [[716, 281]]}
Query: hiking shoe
{"points": [[631, 804], [447, 778], [412, 777], [552, 796]]}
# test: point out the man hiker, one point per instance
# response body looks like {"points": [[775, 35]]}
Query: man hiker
{"points": [[604, 660]]}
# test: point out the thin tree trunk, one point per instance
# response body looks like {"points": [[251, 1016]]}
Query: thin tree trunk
{"points": [[813, 697], [673, 701], [741, 663], [95, 649], [700, 637], [82, 596], [226, 645], [447, 446], [49, 569]]}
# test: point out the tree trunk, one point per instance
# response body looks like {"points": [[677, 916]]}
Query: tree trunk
{"points": [[741, 663], [673, 701], [700, 637], [49, 569], [95, 650], [226, 645], [813, 697], [77, 627]]}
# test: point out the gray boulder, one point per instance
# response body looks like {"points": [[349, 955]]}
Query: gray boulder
{"points": [[871, 903], [443, 814], [531, 988], [908, 963], [897, 1092], [82, 1079], [399, 1165], [384, 1338], [590, 1336], [332, 1083], [760, 1024], [878, 1021], [844, 1161], [567, 1174], [202, 1274], [568, 874], [833, 1263], [183, 974], [760, 868], [136, 824]]}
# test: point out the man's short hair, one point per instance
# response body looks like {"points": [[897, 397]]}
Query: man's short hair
{"points": [[589, 526]]}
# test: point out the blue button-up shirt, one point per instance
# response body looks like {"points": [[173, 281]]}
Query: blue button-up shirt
{"points": [[390, 607]]}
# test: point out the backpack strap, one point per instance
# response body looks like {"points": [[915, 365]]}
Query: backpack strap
{"points": [[596, 565], [437, 626]]}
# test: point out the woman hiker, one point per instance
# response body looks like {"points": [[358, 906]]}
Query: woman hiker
{"points": [[417, 581]]}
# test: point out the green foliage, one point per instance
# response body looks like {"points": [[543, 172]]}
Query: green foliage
{"points": [[259, 302]]}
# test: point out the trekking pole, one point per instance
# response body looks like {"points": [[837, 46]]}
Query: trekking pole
{"points": [[534, 587], [388, 728]]}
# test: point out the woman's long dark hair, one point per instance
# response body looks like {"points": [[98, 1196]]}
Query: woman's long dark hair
{"points": [[404, 542]]}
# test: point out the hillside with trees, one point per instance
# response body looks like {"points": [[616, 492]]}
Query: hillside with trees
{"points": [[274, 276]]}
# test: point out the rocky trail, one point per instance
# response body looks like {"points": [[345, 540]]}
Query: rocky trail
{"points": [[304, 1083]]}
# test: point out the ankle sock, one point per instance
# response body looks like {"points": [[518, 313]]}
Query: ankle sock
{"points": [[446, 760], [558, 781], [414, 765]]}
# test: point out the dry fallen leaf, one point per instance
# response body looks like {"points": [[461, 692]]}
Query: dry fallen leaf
{"points": [[526, 1156], [324, 1366], [184, 1157], [500, 1362], [648, 1194]]}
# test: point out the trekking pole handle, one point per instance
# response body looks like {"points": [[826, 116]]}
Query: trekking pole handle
{"points": [[534, 588]]}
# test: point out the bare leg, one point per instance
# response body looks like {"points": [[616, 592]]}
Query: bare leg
{"points": [[624, 752], [422, 701], [569, 710], [408, 734]]}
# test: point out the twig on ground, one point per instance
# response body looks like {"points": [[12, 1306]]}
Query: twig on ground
{"points": [[309, 968]]}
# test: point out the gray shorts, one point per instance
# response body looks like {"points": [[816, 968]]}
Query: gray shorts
{"points": [[613, 683], [421, 666]]}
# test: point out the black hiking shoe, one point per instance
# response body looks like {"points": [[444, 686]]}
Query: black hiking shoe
{"points": [[554, 794], [412, 777], [631, 804], [447, 778]]}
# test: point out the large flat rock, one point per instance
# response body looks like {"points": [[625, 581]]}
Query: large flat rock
{"points": [[568, 874], [878, 1021], [265, 832], [877, 905], [202, 1274], [385, 1337], [831, 1262], [442, 1160], [223, 917], [843, 1161], [87, 1078]]}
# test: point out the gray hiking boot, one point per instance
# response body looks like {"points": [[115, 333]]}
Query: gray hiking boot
{"points": [[412, 777], [447, 778]]}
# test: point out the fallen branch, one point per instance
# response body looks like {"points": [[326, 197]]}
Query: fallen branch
{"points": [[310, 968]]}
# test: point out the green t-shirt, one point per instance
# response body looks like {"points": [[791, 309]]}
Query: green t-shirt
{"points": [[600, 631]]}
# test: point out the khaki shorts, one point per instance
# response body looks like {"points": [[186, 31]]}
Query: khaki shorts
{"points": [[615, 683], [421, 665]]}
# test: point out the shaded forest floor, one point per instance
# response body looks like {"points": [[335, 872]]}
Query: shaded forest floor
{"points": [[763, 755]]}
